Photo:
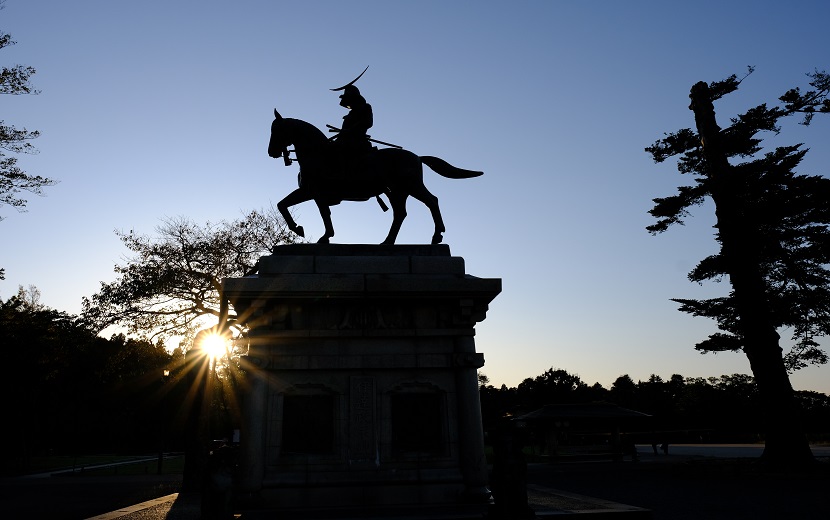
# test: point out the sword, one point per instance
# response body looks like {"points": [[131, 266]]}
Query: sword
{"points": [[335, 129]]}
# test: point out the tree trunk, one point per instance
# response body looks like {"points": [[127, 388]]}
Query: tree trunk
{"points": [[786, 443], [197, 440]]}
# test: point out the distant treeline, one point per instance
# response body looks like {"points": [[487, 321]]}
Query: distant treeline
{"points": [[70, 392], [716, 409]]}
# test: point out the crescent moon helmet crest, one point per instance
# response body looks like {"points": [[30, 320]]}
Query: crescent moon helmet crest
{"points": [[352, 81]]}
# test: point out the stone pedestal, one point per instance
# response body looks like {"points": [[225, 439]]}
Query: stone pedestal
{"points": [[362, 383]]}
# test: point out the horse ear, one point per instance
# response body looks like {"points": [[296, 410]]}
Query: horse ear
{"points": [[277, 114]]}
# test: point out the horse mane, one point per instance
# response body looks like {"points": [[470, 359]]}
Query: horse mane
{"points": [[306, 131]]}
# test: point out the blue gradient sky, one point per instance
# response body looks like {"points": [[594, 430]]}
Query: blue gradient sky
{"points": [[162, 108]]}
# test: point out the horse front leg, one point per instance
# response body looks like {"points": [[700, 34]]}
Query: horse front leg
{"points": [[295, 197], [325, 212]]}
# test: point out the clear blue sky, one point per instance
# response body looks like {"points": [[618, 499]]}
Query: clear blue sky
{"points": [[158, 108]]}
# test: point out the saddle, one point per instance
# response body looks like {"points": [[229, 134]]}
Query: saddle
{"points": [[345, 177], [343, 172]]}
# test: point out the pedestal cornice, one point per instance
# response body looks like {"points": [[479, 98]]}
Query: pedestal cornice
{"points": [[417, 287]]}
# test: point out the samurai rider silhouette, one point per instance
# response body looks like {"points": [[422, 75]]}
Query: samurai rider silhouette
{"points": [[351, 144]]}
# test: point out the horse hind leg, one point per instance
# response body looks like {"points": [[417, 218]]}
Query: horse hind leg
{"points": [[431, 201], [398, 202]]}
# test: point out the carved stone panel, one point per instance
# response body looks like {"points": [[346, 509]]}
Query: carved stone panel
{"points": [[363, 447]]}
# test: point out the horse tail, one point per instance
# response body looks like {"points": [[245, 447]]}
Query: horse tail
{"points": [[445, 169]]}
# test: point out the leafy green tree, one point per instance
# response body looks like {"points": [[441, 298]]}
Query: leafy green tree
{"points": [[653, 396], [71, 390], [624, 391], [32, 338], [816, 407], [171, 285], [772, 227], [554, 386], [15, 81]]}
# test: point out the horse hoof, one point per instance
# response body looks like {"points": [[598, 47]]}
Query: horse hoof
{"points": [[437, 238], [323, 240], [300, 231]]}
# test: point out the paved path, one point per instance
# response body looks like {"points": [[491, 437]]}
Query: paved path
{"points": [[729, 451], [546, 502], [694, 482], [171, 507]]}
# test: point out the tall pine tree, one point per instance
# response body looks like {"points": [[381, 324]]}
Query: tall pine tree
{"points": [[772, 227]]}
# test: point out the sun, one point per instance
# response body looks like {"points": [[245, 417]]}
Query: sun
{"points": [[214, 345]]}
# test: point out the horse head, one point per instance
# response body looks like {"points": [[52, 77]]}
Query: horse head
{"points": [[307, 139], [279, 141]]}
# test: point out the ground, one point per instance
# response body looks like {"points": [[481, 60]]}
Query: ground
{"points": [[675, 487]]}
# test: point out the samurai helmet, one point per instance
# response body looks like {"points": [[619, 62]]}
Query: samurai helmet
{"points": [[351, 97]]}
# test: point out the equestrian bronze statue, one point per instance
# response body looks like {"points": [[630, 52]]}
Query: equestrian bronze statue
{"points": [[328, 180]]}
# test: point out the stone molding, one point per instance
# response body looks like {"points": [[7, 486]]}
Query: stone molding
{"points": [[403, 290]]}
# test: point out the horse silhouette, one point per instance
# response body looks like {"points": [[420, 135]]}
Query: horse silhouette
{"points": [[395, 172]]}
